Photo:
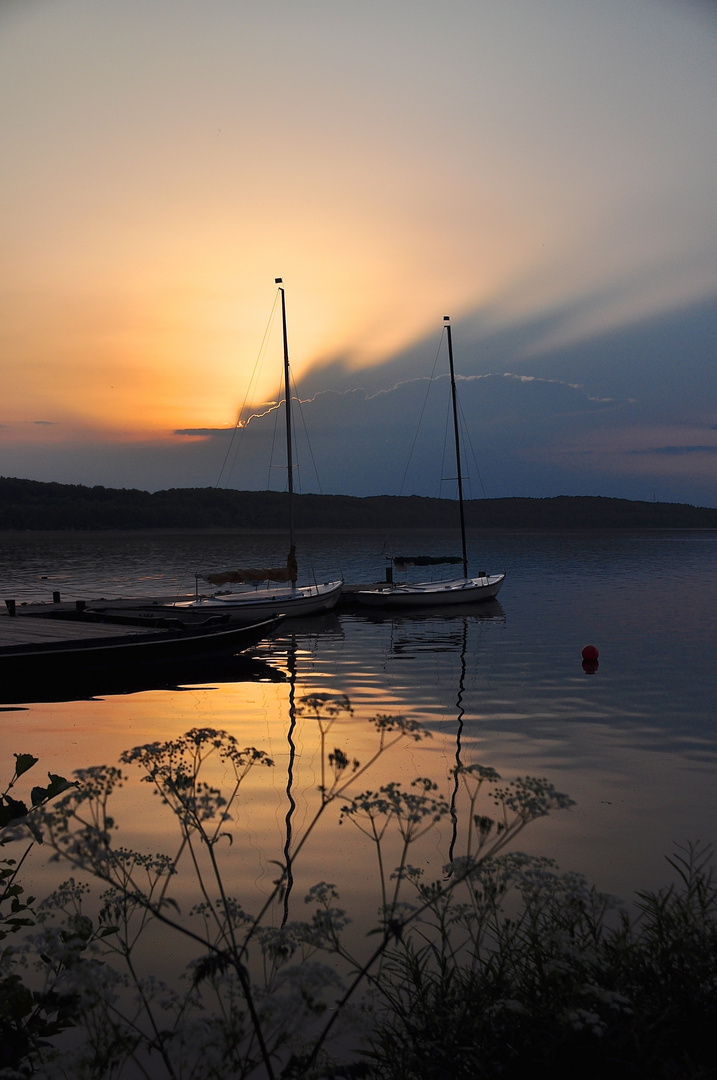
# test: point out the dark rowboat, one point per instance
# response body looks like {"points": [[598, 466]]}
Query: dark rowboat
{"points": [[48, 648]]}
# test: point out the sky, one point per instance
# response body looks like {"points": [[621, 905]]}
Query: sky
{"points": [[545, 173]]}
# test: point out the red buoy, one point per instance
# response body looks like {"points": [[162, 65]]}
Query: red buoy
{"points": [[590, 653]]}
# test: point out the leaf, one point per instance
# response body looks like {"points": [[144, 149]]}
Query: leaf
{"points": [[16, 923], [209, 966], [11, 810], [23, 762], [57, 785]]}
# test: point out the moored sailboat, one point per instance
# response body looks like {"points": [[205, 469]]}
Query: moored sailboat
{"points": [[461, 590], [286, 598]]}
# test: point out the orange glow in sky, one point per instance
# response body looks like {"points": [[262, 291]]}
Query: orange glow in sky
{"points": [[164, 163]]}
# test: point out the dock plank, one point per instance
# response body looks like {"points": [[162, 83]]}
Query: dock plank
{"points": [[18, 630]]}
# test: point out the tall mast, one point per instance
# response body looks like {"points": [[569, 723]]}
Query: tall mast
{"points": [[287, 398], [447, 324]]}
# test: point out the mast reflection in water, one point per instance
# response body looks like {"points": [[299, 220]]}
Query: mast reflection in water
{"points": [[634, 744]]}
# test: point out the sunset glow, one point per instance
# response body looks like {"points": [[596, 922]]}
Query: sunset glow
{"points": [[165, 163]]}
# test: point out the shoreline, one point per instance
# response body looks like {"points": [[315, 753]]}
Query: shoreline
{"points": [[323, 530]]}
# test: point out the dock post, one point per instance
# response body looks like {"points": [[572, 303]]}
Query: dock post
{"points": [[56, 598], [10, 605]]}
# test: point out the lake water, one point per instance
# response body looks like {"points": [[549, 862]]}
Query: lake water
{"points": [[634, 742]]}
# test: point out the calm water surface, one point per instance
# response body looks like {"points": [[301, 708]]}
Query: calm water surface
{"points": [[634, 743]]}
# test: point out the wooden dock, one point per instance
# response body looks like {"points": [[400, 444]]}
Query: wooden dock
{"points": [[116, 629], [65, 612], [22, 630]]}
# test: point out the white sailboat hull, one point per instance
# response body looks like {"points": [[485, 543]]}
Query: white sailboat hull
{"points": [[433, 593], [260, 603]]}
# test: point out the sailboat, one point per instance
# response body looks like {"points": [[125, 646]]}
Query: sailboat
{"points": [[287, 598], [461, 590]]}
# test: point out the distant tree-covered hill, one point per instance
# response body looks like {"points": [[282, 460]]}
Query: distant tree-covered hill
{"points": [[29, 504]]}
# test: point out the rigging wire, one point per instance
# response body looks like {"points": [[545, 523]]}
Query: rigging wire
{"points": [[420, 418], [461, 419], [309, 447], [296, 404], [275, 408], [429, 386], [234, 443], [274, 435], [467, 439], [415, 436], [447, 428], [297, 399]]}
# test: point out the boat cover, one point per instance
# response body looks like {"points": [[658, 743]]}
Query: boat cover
{"points": [[402, 561], [258, 573]]}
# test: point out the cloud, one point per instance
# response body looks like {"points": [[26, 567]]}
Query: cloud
{"points": [[606, 416], [567, 419], [670, 450], [394, 441], [203, 432]]}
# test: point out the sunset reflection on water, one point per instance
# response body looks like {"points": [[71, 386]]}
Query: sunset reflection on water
{"points": [[633, 744]]}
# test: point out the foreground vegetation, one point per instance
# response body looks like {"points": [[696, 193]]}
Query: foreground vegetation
{"points": [[30, 504], [500, 966]]}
